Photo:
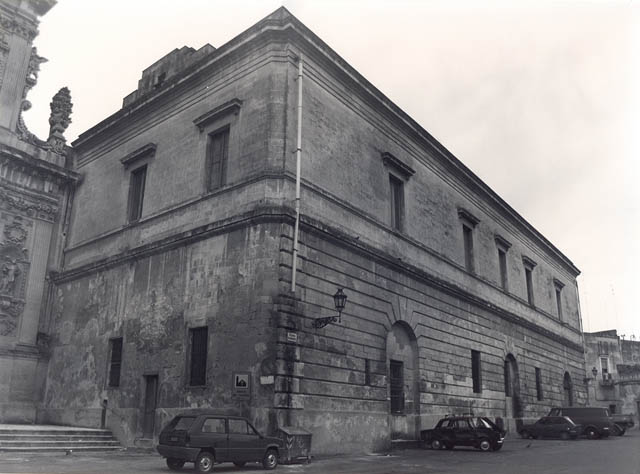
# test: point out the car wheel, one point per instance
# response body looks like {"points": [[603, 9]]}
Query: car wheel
{"points": [[270, 460], [204, 462], [618, 430], [239, 464], [591, 433], [484, 445], [175, 464], [436, 444], [497, 447], [448, 446], [564, 435], [525, 434]]}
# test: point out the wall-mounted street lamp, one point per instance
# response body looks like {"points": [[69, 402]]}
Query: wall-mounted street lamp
{"points": [[340, 300]]}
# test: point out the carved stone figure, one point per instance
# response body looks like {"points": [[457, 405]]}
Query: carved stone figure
{"points": [[10, 272], [60, 119]]}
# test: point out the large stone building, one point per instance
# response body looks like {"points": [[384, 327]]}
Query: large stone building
{"points": [[35, 184], [613, 366], [181, 286]]}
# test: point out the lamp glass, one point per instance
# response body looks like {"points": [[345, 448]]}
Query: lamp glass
{"points": [[340, 300]]}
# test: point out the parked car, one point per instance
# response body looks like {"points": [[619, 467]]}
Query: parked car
{"points": [[208, 438], [552, 427], [477, 431], [595, 421], [621, 423]]}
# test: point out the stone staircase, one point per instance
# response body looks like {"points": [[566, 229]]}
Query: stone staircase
{"points": [[48, 438]]}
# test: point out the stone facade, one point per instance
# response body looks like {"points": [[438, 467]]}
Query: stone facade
{"points": [[35, 185], [435, 265], [613, 366]]}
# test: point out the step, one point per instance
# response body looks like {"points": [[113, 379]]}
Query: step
{"points": [[51, 443], [39, 437], [74, 449]]}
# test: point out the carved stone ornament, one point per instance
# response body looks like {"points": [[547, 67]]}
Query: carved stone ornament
{"points": [[19, 27], [60, 119], [14, 267], [15, 232], [31, 209]]}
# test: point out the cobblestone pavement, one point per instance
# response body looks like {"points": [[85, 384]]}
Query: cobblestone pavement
{"points": [[616, 455]]}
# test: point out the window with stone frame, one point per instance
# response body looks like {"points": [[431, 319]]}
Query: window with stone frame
{"points": [[503, 247], [198, 339], [217, 157], [137, 184], [396, 202], [476, 371], [539, 384], [529, 265], [468, 222], [558, 286], [115, 361], [396, 386]]}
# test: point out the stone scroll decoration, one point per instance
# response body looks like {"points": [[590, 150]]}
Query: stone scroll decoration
{"points": [[14, 268]]}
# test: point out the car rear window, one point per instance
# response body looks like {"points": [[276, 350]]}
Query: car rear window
{"points": [[183, 422]]}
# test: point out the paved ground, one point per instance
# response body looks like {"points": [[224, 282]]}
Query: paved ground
{"points": [[615, 455]]}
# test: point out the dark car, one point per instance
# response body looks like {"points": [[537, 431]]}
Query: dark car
{"points": [[552, 427], [595, 421], [621, 423], [477, 431], [207, 439]]}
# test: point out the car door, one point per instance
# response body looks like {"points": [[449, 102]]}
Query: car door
{"points": [[212, 434], [244, 443], [465, 433], [557, 425]]}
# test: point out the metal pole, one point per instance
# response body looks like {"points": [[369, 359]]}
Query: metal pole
{"points": [[294, 265]]}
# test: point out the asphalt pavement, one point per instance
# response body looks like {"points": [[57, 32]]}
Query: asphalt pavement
{"points": [[616, 455]]}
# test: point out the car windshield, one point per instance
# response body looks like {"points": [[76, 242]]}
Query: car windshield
{"points": [[569, 420], [183, 422]]}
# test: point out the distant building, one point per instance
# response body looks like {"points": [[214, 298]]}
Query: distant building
{"points": [[176, 293], [613, 364], [35, 185]]}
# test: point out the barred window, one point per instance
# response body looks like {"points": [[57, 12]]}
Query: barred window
{"points": [[115, 362], [217, 155], [198, 365], [136, 193], [396, 383]]}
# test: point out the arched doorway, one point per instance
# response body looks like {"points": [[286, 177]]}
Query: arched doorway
{"points": [[567, 386], [404, 395], [512, 388]]}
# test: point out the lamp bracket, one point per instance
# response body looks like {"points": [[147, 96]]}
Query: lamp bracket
{"points": [[319, 323]]}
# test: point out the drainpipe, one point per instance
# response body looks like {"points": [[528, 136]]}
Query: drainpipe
{"points": [[294, 265]]}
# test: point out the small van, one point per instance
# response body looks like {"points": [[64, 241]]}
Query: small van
{"points": [[596, 422]]}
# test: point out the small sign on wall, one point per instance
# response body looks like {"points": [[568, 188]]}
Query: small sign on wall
{"points": [[242, 384]]}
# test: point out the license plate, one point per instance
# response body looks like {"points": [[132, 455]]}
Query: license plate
{"points": [[174, 438]]}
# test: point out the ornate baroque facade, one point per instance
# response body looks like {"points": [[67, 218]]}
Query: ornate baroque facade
{"points": [[35, 184]]}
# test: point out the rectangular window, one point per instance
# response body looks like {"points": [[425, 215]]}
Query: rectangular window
{"points": [[198, 363], [396, 384], [467, 234], [528, 272], [559, 302], [217, 155], [136, 193], [476, 371], [603, 347], [507, 379], [115, 363], [538, 384], [367, 372], [612, 409], [396, 201], [502, 261], [604, 364]]}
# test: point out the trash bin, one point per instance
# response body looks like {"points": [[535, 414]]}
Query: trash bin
{"points": [[296, 443]]}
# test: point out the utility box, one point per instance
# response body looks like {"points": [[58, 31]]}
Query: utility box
{"points": [[296, 443]]}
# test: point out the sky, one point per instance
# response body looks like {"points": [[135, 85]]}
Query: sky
{"points": [[539, 99]]}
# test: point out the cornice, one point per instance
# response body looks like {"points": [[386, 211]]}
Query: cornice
{"points": [[231, 107], [398, 165], [284, 214], [40, 167], [143, 152], [283, 27]]}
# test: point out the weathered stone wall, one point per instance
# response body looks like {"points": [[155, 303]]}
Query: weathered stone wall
{"points": [[344, 413], [226, 282]]}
